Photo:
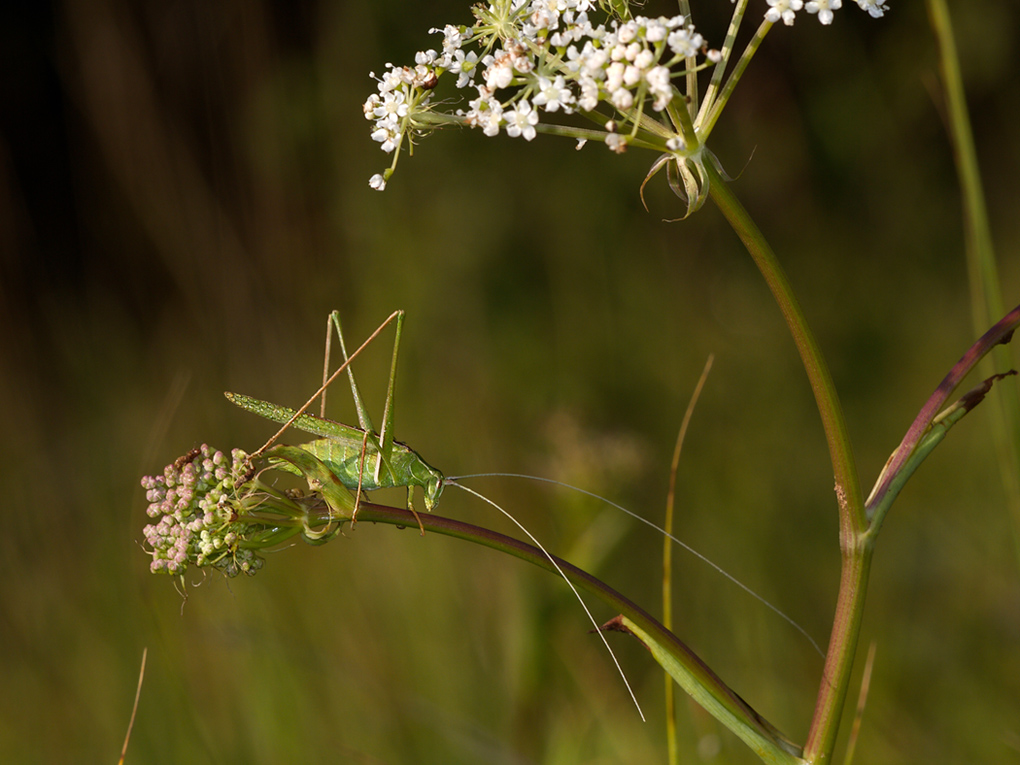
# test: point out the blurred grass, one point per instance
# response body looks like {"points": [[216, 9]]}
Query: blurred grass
{"points": [[183, 198]]}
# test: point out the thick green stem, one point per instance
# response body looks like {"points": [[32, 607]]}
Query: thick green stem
{"points": [[856, 553], [848, 489], [846, 629]]}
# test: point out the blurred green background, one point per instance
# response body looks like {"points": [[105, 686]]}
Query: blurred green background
{"points": [[183, 198]]}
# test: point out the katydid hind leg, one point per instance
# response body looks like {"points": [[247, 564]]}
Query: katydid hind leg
{"points": [[382, 443], [366, 424], [387, 428], [325, 361], [364, 420]]}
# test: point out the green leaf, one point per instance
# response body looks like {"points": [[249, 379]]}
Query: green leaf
{"points": [[717, 699]]}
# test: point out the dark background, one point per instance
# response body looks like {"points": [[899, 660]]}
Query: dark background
{"points": [[183, 198]]}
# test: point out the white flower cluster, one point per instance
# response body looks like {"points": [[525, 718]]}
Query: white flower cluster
{"points": [[194, 512], [526, 58], [553, 56], [785, 10]]}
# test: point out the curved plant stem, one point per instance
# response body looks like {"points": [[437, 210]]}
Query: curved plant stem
{"points": [[848, 489], [855, 546], [708, 689]]}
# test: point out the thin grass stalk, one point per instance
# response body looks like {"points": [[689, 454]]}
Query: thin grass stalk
{"points": [[983, 274]]}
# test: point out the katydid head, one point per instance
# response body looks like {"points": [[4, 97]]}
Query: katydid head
{"points": [[430, 480]]}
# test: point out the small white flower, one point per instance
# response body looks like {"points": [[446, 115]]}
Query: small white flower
{"points": [[387, 136], [876, 8], [426, 57], [592, 59], [614, 76], [520, 56], [486, 113], [656, 30], [499, 72], [627, 32], [824, 9], [544, 15], [589, 98], [645, 59], [489, 121], [422, 76], [371, 105], [659, 86], [616, 143], [521, 121], [553, 94], [392, 79], [464, 65], [783, 9], [452, 37], [622, 99], [393, 106], [683, 43]]}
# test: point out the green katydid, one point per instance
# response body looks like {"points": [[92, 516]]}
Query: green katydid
{"points": [[363, 459]]}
